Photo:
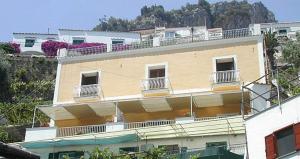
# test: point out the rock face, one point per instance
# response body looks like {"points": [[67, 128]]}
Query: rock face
{"points": [[227, 15], [260, 14]]}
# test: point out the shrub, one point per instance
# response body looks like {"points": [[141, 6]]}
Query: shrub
{"points": [[50, 47], [10, 48]]}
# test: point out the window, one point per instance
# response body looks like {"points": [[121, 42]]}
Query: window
{"points": [[77, 41], [117, 41], [225, 70], [29, 42], [69, 154], [156, 77], [282, 32], [125, 150], [216, 144], [89, 84], [170, 34], [170, 148], [89, 78], [225, 64], [283, 142]]}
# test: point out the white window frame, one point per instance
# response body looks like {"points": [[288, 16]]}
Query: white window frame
{"points": [[30, 38], [88, 72], [157, 66], [117, 39], [223, 57], [78, 38]]}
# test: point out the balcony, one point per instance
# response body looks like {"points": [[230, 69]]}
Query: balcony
{"points": [[229, 76], [157, 42], [77, 130], [155, 85], [82, 91], [225, 79], [152, 129]]}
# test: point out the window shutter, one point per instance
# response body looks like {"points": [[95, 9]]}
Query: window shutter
{"points": [[297, 135], [270, 142]]}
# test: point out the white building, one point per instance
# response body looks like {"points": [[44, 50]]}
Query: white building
{"points": [[283, 29], [31, 42], [275, 132], [87, 36], [168, 33]]}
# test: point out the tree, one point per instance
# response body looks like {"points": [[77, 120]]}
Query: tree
{"points": [[271, 47], [4, 78], [291, 52]]}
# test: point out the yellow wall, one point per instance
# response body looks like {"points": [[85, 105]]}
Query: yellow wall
{"points": [[187, 69], [82, 122]]}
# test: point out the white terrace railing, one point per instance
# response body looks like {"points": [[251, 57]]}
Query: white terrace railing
{"points": [[226, 34], [155, 83], [78, 130], [148, 123], [87, 90], [229, 76]]}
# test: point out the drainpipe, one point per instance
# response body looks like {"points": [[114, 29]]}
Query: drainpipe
{"points": [[34, 114]]}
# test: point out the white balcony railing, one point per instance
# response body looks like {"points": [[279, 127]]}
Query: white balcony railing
{"points": [[148, 123], [77, 130], [229, 76], [87, 90], [211, 35], [155, 83]]}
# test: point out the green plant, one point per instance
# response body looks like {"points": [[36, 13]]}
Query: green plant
{"points": [[271, 47], [97, 153]]}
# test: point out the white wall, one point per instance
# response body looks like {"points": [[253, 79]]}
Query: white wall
{"points": [[190, 142], [98, 37], [20, 38], [268, 121], [35, 134]]}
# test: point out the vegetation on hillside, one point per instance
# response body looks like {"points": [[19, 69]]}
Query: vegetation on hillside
{"points": [[25, 83], [227, 15]]}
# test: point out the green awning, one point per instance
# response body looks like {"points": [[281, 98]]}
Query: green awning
{"points": [[76, 141]]}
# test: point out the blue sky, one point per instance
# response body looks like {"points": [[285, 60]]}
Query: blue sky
{"points": [[39, 15]]}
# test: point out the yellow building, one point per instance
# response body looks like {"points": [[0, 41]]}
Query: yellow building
{"points": [[184, 93]]}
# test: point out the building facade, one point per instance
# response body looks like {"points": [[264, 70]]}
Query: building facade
{"points": [[183, 94], [275, 132], [30, 43], [282, 29]]}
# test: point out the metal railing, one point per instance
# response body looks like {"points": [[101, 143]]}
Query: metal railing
{"points": [[155, 83], [78, 130], [87, 90], [236, 33], [226, 76], [225, 34], [206, 123], [148, 124], [86, 51], [237, 148]]}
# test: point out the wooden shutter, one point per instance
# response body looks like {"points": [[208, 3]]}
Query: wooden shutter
{"points": [[270, 142], [297, 135]]}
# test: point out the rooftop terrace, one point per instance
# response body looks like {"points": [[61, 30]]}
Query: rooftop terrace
{"points": [[156, 42]]}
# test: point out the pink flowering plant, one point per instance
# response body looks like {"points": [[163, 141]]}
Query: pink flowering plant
{"points": [[16, 47], [50, 47]]}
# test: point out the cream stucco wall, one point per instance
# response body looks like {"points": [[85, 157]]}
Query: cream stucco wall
{"points": [[187, 69]]}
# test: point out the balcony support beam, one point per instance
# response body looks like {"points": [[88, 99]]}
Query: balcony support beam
{"points": [[191, 104]]}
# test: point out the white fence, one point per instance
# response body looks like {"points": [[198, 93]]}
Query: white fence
{"points": [[226, 76], [87, 90]]}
